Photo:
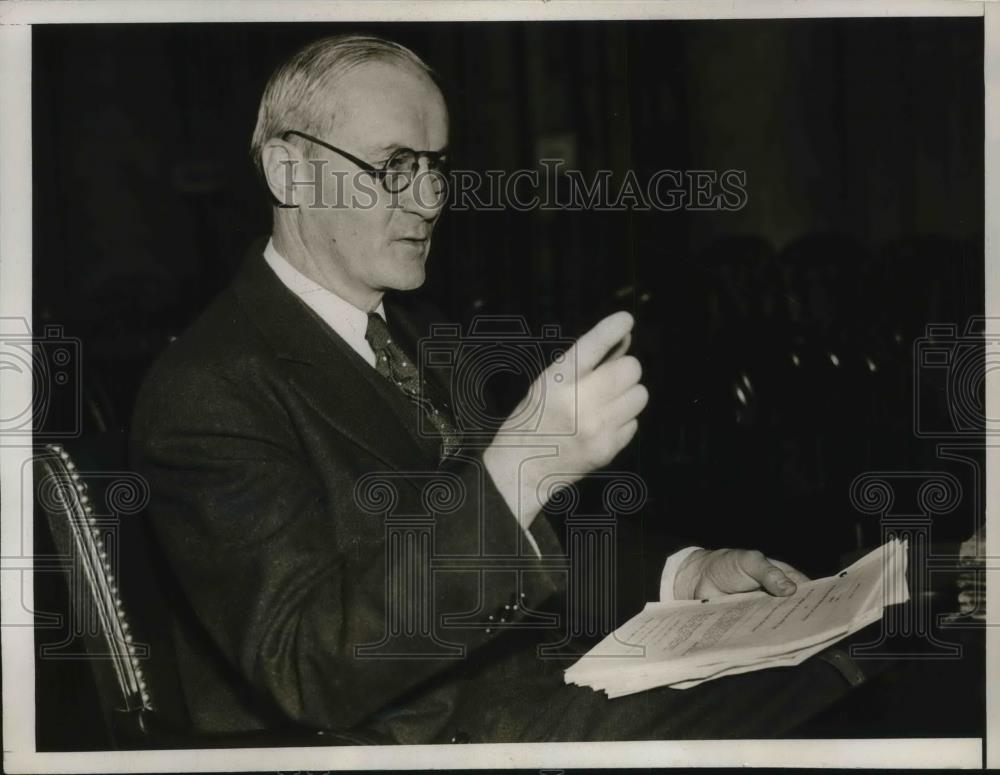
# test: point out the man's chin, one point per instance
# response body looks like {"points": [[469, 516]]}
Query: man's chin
{"points": [[410, 270], [410, 285], [409, 279]]}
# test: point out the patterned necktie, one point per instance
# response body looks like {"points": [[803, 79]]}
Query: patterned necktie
{"points": [[393, 364]]}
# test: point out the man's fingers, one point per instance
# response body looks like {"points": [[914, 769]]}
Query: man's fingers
{"points": [[627, 406], [625, 433], [591, 348], [620, 349], [792, 572], [611, 379], [765, 573]]}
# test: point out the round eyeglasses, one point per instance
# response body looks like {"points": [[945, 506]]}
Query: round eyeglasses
{"points": [[399, 170]]}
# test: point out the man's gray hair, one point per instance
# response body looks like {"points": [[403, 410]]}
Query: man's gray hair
{"points": [[294, 95]]}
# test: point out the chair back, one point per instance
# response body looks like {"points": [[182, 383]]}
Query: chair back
{"points": [[95, 511]]}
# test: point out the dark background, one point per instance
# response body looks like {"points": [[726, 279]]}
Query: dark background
{"points": [[777, 341]]}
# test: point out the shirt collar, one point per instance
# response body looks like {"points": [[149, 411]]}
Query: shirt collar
{"points": [[349, 322]]}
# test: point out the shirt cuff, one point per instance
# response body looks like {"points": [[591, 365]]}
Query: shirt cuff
{"points": [[670, 568]]}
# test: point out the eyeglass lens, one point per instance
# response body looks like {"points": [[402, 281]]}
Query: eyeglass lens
{"points": [[404, 165]]}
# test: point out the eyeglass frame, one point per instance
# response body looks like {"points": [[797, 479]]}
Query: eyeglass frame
{"points": [[437, 160]]}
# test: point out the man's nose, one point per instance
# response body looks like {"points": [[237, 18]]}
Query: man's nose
{"points": [[426, 194]]}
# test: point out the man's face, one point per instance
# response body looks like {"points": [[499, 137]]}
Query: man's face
{"points": [[375, 241]]}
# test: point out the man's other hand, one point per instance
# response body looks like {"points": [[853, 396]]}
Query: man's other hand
{"points": [[713, 573], [590, 398]]}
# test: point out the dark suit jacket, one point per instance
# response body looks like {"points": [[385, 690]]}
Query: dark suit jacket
{"points": [[254, 430]]}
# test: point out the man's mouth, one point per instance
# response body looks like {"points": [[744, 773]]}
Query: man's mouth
{"points": [[414, 243]]}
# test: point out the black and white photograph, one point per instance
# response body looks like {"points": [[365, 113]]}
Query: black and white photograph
{"points": [[547, 386]]}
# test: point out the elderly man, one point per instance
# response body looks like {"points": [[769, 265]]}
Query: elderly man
{"points": [[259, 428]]}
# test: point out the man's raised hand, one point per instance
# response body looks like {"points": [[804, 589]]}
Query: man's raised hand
{"points": [[590, 402]]}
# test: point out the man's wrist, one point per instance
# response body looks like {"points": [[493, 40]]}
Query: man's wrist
{"points": [[504, 467], [688, 575], [668, 576]]}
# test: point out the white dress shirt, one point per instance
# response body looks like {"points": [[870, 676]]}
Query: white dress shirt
{"points": [[351, 323], [348, 321]]}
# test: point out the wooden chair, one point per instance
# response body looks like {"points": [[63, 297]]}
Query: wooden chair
{"points": [[118, 608]]}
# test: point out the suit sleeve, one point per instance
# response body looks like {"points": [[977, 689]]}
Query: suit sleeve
{"points": [[257, 544]]}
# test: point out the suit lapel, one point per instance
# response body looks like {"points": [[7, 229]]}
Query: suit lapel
{"points": [[325, 370]]}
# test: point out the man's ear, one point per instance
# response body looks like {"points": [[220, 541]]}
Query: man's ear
{"points": [[281, 163]]}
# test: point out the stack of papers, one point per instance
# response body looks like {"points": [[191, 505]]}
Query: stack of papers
{"points": [[683, 643]]}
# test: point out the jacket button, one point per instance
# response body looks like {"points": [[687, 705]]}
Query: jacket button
{"points": [[459, 737]]}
